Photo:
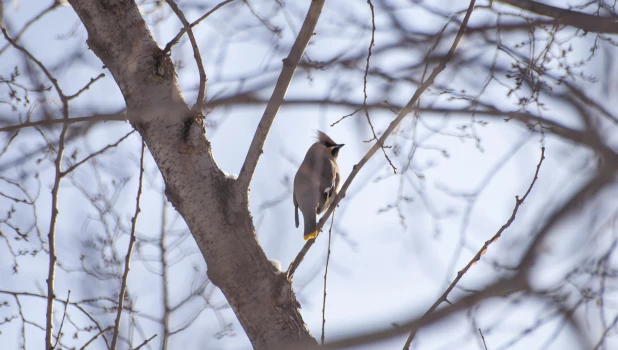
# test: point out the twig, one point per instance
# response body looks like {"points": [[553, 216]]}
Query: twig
{"points": [[606, 333], [604, 176], [483, 338], [330, 232], [127, 261], [499, 288], [197, 107], [49, 122], [299, 258], [51, 275], [262, 20], [64, 315], [174, 41], [32, 21], [364, 107], [39, 64], [102, 150], [92, 81], [276, 99], [345, 116], [482, 251], [402, 114], [371, 44], [145, 342], [95, 337], [77, 305], [167, 309]]}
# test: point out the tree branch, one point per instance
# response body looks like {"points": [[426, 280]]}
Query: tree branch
{"points": [[499, 288], [86, 87], [197, 107], [102, 150], [174, 41], [589, 23], [31, 22], [145, 342], [330, 232], [121, 116], [64, 315], [276, 100], [603, 177], [51, 274], [95, 337], [481, 252], [127, 262], [489, 111], [483, 338]]}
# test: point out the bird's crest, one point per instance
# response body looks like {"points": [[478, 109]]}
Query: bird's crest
{"points": [[324, 139]]}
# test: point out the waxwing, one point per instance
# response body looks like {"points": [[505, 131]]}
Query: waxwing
{"points": [[317, 182]]}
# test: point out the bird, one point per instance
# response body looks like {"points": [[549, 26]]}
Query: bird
{"points": [[317, 182]]}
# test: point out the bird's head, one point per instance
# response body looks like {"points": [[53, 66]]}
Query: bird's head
{"points": [[331, 145]]}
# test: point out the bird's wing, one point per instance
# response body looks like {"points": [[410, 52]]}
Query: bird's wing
{"points": [[295, 209], [306, 193], [328, 184], [337, 180]]}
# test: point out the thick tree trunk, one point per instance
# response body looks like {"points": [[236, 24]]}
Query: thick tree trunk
{"points": [[213, 205]]}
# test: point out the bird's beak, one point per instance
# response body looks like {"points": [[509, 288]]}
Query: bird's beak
{"points": [[339, 145]]}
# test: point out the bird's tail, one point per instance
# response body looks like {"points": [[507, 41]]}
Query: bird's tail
{"points": [[310, 228]]}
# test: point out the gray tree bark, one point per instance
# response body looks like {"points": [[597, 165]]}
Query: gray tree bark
{"points": [[215, 207]]}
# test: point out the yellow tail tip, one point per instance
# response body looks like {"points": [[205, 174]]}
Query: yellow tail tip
{"points": [[311, 235]]}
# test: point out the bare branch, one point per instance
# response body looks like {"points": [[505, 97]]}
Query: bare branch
{"points": [[174, 41], [606, 333], [164, 276], [92, 81], [45, 11], [197, 107], [371, 44], [127, 262], [499, 288], [102, 150], [64, 315], [602, 178], [55, 189], [482, 251], [95, 337], [330, 232], [73, 303], [483, 338], [51, 275], [490, 111], [589, 23], [120, 116], [145, 342], [276, 99], [42, 67]]}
